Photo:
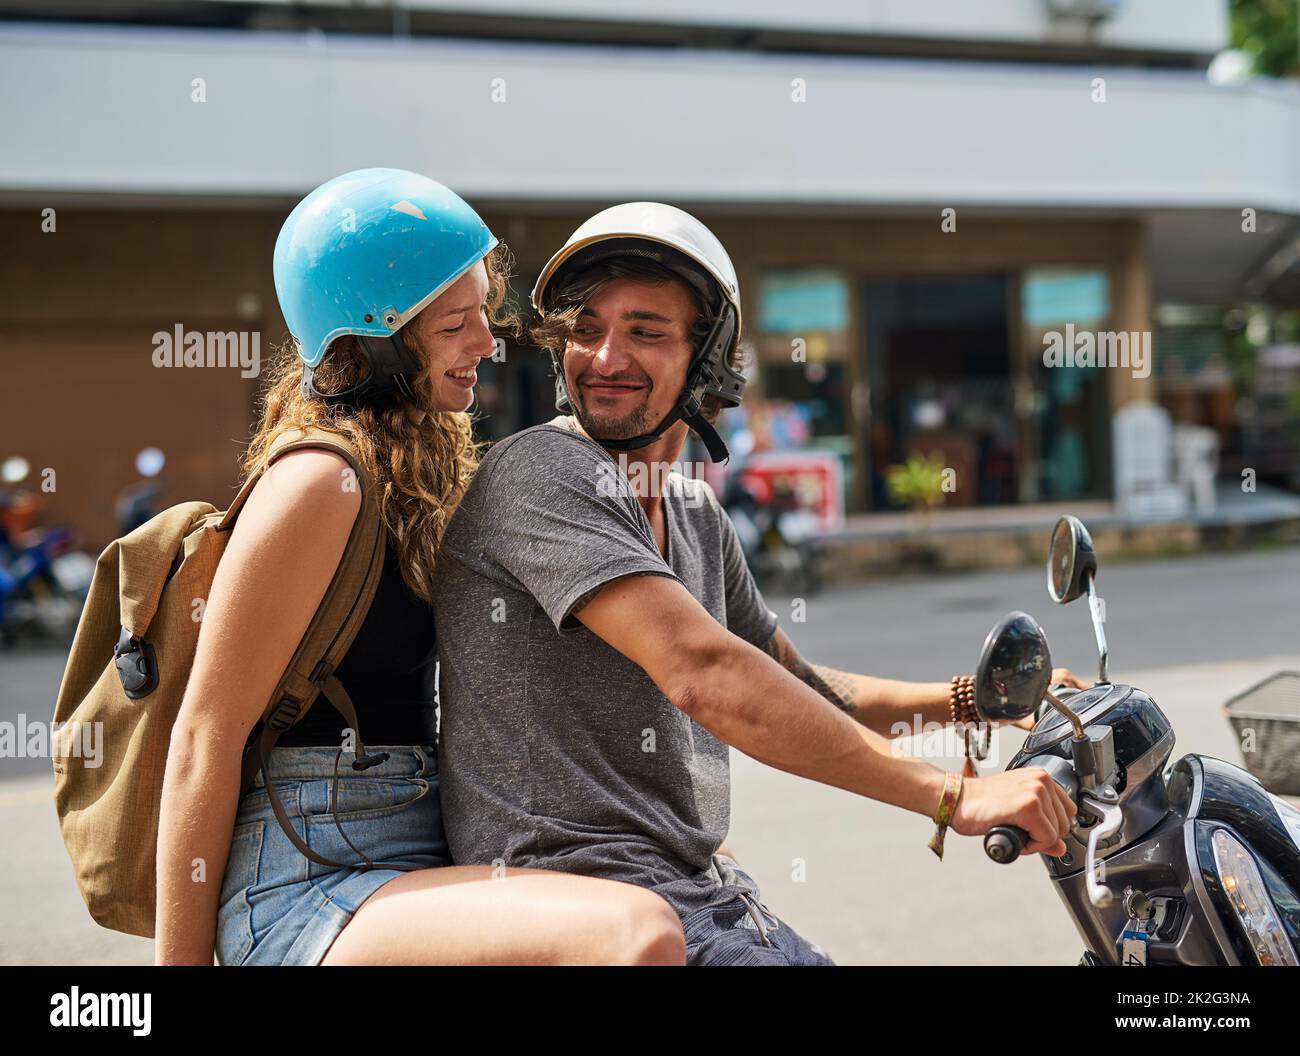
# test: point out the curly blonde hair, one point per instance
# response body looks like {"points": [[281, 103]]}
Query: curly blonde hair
{"points": [[420, 468]]}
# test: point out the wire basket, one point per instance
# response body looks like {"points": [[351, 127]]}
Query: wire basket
{"points": [[1267, 720]]}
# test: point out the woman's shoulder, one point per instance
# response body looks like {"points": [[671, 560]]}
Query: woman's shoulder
{"points": [[309, 488], [313, 467]]}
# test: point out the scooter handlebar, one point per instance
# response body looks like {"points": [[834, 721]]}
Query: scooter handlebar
{"points": [[1005, 843]]}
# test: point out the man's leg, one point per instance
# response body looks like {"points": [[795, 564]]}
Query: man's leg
{"points": [[740, 930]]}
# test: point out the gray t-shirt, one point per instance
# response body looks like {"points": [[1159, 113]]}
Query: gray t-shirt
{"points": [[556, 751]]}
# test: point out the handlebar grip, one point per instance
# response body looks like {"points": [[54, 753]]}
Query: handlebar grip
{"points": [[1005, 843]]}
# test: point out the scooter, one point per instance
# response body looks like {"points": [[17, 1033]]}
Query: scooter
{"points": [[1192, 864], [43, 578], [140, 502], [779, 543]]}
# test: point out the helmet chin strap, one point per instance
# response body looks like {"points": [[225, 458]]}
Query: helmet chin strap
{"points": [[392, 367], [703, 428]]}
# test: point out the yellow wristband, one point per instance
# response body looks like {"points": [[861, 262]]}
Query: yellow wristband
{"points": [[944, 814]]}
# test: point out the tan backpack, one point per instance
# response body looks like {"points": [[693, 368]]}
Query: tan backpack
{"points": [[129, 665]]}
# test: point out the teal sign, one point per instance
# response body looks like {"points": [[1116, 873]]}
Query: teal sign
{"points": [[1053, 298], [799, 302]]}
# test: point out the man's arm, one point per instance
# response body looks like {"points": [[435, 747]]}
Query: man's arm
{"points": [[746, 699], [743, 698], [889, 707]]}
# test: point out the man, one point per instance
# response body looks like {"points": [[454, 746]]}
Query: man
{"points": [[602, 642]]}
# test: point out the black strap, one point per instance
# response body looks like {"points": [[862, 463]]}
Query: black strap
{"points": [[257, 759], [392, 367], [703, 428]]}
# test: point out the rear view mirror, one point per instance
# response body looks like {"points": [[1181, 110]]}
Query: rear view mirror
{"points": [[1014, 671], [1071, 560]]}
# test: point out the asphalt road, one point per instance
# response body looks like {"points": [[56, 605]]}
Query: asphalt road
{"points": [[851, 874], [856, 877]]}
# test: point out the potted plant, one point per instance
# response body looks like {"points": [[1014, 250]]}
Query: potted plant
{"points": [[918, 485]]}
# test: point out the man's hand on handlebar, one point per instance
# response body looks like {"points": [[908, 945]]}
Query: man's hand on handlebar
{"points": [[1026, 797]]}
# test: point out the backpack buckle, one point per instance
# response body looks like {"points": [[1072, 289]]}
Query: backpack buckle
{"points": [[285, 714], [136, 664]]}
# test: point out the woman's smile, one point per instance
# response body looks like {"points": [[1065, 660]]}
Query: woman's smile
{"points": [[463, 377]]}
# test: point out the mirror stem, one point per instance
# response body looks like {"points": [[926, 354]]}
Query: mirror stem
{"points": [[1097, 607], [1061, 707]]}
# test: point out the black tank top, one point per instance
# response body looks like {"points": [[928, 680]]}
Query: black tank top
{"points": [[388, 671]]}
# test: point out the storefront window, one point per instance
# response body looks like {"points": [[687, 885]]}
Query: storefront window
{"points": [[796, 432], [937, 362], [802, 341], [1065, 428]]}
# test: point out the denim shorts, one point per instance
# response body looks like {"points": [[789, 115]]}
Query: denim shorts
{"points": [[277, 906], [738, 929]]}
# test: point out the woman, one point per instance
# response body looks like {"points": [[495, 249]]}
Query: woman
{"points": [[389, 284]]}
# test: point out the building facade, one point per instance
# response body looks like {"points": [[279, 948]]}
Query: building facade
{"points": [[926, 204]]}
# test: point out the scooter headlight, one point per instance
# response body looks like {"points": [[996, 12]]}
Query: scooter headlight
{"points": [[1249, 899]]}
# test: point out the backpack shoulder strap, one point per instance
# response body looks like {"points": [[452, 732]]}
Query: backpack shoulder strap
{"points": [[292, 440], [341, 612]]}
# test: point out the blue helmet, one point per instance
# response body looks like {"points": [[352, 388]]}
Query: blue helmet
{"points": [[362, 254]]}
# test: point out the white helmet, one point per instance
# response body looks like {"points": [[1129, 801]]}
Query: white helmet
{"points": [[678, 241]]}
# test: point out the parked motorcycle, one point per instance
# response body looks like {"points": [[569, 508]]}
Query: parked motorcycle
{"points": [[1185, 865], [139, 502], [43, 577], [778, 538]]}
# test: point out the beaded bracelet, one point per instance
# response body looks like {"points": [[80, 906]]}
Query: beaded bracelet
{"points": [[961, 701], [965, 716]]}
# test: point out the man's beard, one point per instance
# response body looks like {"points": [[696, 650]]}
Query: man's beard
{"points": [[605, 425]]}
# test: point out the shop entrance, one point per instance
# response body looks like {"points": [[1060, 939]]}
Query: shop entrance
{"points": [[938, 366]]}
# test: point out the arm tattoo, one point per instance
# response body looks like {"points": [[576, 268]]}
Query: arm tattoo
{"points": [[835, 686]]}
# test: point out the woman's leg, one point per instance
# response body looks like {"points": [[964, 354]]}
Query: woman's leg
{"points": [[463, 915]]}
